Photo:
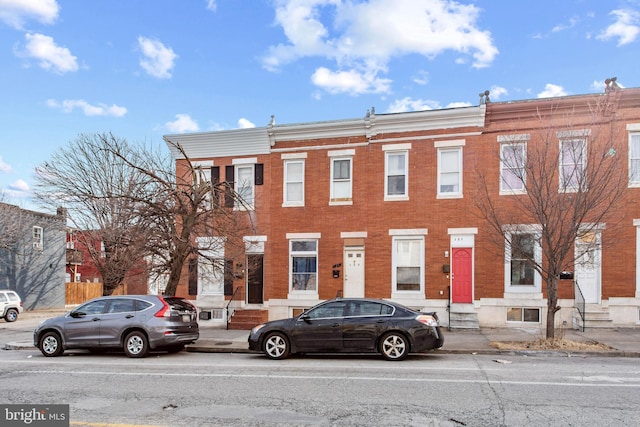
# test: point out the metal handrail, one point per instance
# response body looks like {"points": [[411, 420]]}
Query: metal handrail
{"points": [[229, 303], [580, 303]]}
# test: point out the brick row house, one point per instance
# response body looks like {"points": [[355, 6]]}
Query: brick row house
{"points": [[385, 206]]}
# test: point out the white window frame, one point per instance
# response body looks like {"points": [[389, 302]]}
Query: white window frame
{"points": [[413, 236], [572, 136], [37, 234], [287, 201], [309, 237], [211, 265], [522, 316], [634, 160], [537, 279], [336, 156], [445, 147], [513, 142], [395, 150], [202, 172], [249, 202]]}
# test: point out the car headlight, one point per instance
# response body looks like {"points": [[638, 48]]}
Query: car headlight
{"points": [[427, 320]]}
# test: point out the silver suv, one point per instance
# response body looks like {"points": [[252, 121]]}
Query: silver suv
{"points": [[10, 305], [136, 324]]}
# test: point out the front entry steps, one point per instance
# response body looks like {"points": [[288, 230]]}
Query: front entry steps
{"points": [[595, 316], [463, 316], [247, 319]]}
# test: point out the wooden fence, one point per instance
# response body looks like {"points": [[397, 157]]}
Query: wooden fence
{"points": [[79, 292]]}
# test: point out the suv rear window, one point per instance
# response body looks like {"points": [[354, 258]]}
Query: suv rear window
{"points": [[179, 304]]}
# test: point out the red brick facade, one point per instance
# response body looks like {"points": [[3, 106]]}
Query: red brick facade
{"points": [[371, 223]]}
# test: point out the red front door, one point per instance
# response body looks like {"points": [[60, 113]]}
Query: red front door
{"points": [[461, 275]]}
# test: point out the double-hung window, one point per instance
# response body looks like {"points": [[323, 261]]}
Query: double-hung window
{"points": [[303, 261], [408, 264], [634, 155], [211, 265], [450, 168], [38, 238], [522, 254], [244, 186], [293, 189], [573, 160], [396, 165], [341, 176], [513, 152]]}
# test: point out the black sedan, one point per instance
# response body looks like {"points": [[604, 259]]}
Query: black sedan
{"points": [[350, 325]]}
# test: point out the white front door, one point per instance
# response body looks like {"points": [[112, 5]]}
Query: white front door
{"points": [[588, 267], [354, 273]]}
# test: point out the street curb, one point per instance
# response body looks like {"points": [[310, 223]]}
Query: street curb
{"points": [[227, 347]]}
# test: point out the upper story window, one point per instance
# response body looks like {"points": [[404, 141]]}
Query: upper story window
{"points": [[450, 172], [243, 176], [396, 165], [38, 239], [573, 160], [293, 190], [634, 155], [203, 174], [513, 152], [341, 176]]}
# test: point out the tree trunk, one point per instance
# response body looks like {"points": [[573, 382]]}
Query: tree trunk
{"points": [[552, 306]]}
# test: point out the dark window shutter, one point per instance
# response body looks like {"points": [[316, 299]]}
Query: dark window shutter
{"points": [[215, 174], [193, 276], [229, 199], [228, 277], [259, 174]]}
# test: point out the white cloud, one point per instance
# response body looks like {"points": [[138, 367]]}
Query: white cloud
{"points": [[421, 78], [561, 27], [410, 104], [157, 60], [496, 92], [625, 28], [352, 82], [18, 189], [183, 123], [68, 105], [551, 90], [211, 5], [364, 36], [5, 167], [16, 12], [51, 57], [245, 124]]}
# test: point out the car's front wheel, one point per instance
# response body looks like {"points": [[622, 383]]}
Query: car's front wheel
{"points": [[394, 346], [136, 344], [276, 346], [11, 315], [51, 344]]}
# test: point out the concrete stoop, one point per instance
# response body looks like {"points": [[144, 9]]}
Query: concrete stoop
{"points": [[463, 316], [595, 316]]}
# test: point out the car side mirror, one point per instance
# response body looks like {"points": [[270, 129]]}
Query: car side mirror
{"points": [[305, 317], [77, 314]]}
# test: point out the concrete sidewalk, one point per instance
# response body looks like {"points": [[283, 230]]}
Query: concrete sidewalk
{"points": [[215, 338]]}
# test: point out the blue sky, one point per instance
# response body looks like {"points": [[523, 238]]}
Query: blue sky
{"points": [[145, 68]]}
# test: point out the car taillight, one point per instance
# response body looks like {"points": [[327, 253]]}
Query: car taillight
{"points": [[427, 320], [165, 311]]}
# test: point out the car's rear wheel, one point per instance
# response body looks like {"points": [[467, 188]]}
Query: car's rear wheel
{"points": [[394, 346], [136, 344], [51, 344], [276, 346], [11, 315]]}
